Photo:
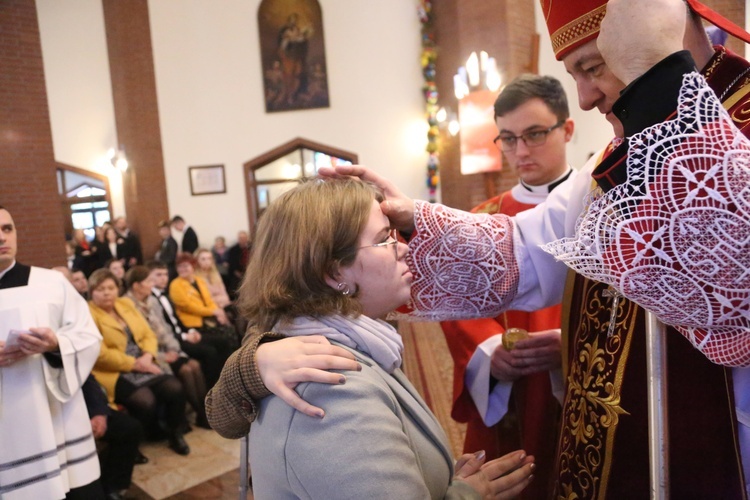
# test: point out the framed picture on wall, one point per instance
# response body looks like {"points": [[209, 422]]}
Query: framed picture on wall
{"points": [[293, 55], [207, 179]]}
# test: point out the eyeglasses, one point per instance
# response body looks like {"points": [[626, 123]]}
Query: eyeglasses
{"points": [[391, 240], [532, 139]]}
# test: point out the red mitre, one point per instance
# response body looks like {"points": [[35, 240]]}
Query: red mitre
{"points": [[718, 20], [571, 24]]}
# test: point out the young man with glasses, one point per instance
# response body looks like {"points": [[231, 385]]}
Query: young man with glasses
{"points": [[505, 396]]}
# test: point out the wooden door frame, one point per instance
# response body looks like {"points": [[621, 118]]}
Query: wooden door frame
{"points": [[250, 166], [65, 201]]}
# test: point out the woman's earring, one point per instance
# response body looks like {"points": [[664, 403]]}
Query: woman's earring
{"points": [[344, 289]]}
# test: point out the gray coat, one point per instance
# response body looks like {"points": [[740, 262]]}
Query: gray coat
{"points": [[378, 440]]}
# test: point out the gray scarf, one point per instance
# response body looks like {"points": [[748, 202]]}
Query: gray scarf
{"points": [[373, 337]]}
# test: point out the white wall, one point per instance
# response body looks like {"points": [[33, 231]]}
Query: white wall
{"points": [[211, 108], [210, 95], [79, 89], [593, 131]]}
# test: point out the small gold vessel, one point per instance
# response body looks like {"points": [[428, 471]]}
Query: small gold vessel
{"points": [[513, 335]]}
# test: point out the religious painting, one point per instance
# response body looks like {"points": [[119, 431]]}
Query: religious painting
{"points": [[476, 114], [293, 55]]}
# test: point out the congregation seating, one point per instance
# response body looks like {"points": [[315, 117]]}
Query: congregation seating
{"points": [[134, 281]]}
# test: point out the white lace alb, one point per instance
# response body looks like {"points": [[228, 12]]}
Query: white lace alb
{"points": [[674, 237]]}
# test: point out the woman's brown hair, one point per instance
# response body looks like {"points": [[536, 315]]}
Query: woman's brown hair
{"points": [[136, 274], [309, 232], [100, 276]]}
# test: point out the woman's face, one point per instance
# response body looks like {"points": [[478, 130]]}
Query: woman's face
{"points": [[105, 294], [379, 273], [143, 288], [205, 260], [111, 235], [185, 270], [116, 268]]}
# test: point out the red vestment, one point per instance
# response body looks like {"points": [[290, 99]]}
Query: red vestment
{"points": [[532, 419], [475, 266], [603, 447]]}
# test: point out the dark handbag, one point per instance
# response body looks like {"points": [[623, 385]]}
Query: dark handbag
{"points": [[212, 328]]}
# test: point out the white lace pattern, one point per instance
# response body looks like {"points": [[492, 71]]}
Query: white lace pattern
{"points": [[674, 237], [463, 264]]}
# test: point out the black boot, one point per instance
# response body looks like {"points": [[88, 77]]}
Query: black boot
{"points": [[140, 458], [178, 444]]}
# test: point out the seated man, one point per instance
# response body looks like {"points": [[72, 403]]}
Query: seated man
{"points": [[211, 353], [79, 282]]}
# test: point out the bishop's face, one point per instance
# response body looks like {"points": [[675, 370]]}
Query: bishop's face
{"points": [[8, 242], [597, 86]]}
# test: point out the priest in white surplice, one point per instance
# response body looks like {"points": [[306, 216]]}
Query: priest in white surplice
{"points": [[46, 446]]}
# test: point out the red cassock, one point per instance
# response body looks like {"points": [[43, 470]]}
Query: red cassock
{"points": [[532, 420]]}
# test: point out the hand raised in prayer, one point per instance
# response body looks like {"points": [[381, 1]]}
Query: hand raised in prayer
{"points": [[39, 341], [397, 206], [502, 478], [637, 34], [538, 353], [284, 363]]}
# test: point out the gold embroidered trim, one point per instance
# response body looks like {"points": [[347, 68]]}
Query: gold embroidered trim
{"points": [[578, 29], [592, 405], [713, 63]]}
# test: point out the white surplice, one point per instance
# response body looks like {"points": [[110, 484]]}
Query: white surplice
{"points": [[46, 443]]}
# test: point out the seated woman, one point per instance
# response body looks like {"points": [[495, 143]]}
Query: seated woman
{"points": [[207, 271], [139, 285], [127, 363], [220, 252], [337, 269], [117, 268], [194, 305], [85, 258]]}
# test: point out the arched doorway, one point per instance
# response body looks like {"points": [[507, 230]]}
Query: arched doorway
{"points": [[271, 174]]}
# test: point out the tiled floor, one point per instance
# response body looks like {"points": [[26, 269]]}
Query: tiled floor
{"points": [[210, 471], [224, 487]]}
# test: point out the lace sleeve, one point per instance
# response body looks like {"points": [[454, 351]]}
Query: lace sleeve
{"points": [[463, 263], [674, 237]]}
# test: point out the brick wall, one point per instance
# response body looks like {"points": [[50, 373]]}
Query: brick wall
{"points": [[28, 185], [504, 29], [131, 64]]}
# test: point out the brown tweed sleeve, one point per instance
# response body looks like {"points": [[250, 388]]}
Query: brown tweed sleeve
{"points": [[232, 404]]}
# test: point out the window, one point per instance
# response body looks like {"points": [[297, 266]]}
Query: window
{"points": [[270, 175], [85, 199]]}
